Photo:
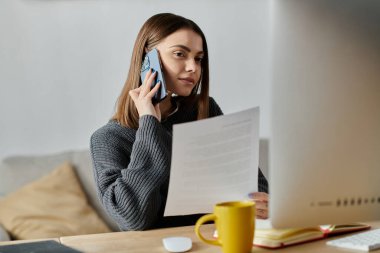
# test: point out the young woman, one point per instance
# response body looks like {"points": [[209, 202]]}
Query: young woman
{"points": [[132, 152]]}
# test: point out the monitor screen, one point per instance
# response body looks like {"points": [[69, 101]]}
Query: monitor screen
{"points": [[324, 149]]}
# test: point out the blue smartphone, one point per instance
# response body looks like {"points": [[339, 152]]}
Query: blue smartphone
{"points": [[152, 61]]}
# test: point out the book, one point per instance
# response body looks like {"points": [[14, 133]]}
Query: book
{"points": [[37, 247], [279, 238]]}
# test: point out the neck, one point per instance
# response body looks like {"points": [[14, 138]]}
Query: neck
{"points": [[166, 107]]}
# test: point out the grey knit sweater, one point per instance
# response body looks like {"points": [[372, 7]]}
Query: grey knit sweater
{"points": [[132, 167]]}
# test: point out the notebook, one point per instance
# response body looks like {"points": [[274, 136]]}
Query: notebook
{"points": [[37, 247], [279, 238]]}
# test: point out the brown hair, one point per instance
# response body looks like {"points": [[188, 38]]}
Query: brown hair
{"points": [[155, 29]]}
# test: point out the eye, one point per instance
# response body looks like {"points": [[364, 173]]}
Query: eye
{"points": [[179, 54], [198, 59]]}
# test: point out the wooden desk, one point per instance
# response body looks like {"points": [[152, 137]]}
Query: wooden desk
{"points": [[151, 241], [137, 241]]}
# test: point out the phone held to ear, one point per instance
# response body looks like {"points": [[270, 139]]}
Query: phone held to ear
{"points": [[152, 61]]}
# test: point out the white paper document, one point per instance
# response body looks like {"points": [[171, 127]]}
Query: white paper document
{"points": [[213, 160]]}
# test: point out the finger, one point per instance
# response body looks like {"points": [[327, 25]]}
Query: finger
{"points": [[262, 217], [147, 76], [147, 84], [263, 214], [259, 196], [262, 208], [261, 204], [154, 90]]}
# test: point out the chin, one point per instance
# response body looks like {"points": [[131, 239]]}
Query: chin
{"points": [[184, 92]]}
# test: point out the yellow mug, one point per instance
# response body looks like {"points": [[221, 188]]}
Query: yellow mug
{"points": [[235, 224]]}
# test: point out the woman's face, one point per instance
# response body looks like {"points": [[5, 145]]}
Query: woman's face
{"points": [[181, 54]]}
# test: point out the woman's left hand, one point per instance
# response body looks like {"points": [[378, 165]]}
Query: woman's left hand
{"points": [[261, 200]]}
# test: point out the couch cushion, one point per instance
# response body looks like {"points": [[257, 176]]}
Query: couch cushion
{"points": [[17, 171], [52, 206]]}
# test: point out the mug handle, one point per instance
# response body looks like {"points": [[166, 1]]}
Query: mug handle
{"points": [[202, 220]]}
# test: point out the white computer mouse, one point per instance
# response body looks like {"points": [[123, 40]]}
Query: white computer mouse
{"points": [[177, 244]]}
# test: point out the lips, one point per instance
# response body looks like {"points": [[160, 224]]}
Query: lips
{"points": [[188, 80]]}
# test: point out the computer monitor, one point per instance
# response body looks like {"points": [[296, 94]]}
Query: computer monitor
{"points": [[324, 149]]}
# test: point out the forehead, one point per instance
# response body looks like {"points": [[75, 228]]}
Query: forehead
{"points": [[185, 37]]}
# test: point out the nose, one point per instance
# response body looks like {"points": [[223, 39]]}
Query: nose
{"points": [[191, 65]]}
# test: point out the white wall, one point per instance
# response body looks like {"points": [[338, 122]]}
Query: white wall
{"points": [[63, 63]]}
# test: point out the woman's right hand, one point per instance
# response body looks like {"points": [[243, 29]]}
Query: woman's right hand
{"points": [[261, 199], [142, 97]]}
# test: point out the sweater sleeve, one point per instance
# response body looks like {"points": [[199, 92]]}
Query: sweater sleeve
{"points": [[129, 174]]}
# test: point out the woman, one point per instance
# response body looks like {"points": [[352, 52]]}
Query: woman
{"points": [[132, 153]]}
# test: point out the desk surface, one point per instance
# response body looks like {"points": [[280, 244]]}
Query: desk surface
{"points": [[151, 241]]}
